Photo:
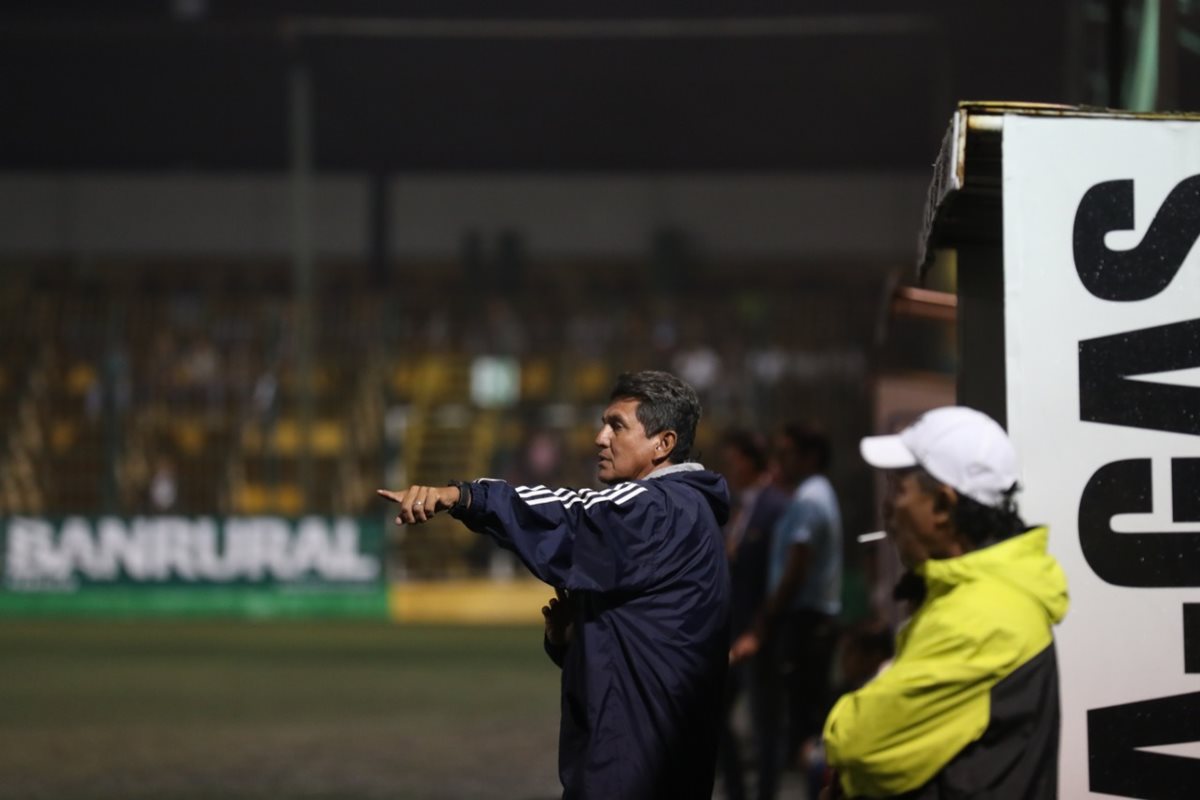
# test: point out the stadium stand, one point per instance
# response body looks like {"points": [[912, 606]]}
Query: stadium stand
{"points": [[181, 388]]}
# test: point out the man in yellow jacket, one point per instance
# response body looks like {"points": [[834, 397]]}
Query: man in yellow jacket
{"points": [[969, 707]]}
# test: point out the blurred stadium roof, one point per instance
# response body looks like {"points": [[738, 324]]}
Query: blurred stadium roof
{"points": [[412, 86]]}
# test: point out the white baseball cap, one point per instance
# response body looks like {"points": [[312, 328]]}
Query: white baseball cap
{"points": [[961, 447]]}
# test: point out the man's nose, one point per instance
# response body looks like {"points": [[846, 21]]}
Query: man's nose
{"points": [[602, 437]]}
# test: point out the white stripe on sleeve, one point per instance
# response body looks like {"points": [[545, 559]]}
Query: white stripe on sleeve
{"points": [[629, 495], [617, 494]]}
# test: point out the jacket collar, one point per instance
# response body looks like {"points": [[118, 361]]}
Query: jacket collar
{"points": [[671, 469]]}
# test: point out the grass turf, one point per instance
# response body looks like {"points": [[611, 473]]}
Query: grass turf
{"points": [[98, 709]]}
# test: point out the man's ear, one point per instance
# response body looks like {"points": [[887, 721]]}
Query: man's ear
{"points": [[945, 500], [666, 444]]}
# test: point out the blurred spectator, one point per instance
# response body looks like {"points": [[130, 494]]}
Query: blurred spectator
{"points": [[757, 506], [590, 333], [768, 365], [700, 366], [505, 334], [112, 391], [262, 399], [164, 488], [239, 373], [805, 578], [117, 377], [438, 330], [161, 367], [543, 457], [201, 374], [863, 651], [664, 335]]}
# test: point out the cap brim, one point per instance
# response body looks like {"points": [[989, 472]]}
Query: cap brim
{"points": [[886, 452]]}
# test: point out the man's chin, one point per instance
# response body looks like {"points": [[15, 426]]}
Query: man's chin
{"points": [[606, 475]]}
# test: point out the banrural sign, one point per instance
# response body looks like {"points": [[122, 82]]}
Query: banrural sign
{"points": [[76, 552]]}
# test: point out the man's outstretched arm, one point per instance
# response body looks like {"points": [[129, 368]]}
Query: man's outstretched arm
{"points": [[571, 538]]}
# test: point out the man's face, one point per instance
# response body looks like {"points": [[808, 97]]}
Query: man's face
{"points": [[916, 521], [790, 464], [626, 453], [739, 470]]}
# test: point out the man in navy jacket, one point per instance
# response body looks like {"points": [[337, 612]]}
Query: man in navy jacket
{"points": [[644, 565]]}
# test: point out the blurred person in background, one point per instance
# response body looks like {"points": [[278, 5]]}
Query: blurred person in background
{"points": [[757, 507], [862, 651], [163, 488], [986, 596], [643, 565], [797, 627], [200, 374]]}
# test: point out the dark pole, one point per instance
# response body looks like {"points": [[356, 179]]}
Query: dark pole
{"points": [[301, 124], [1168, 56], [1115, 50]]}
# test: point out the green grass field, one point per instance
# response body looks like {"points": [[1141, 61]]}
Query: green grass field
{"points": [[98, 709]]}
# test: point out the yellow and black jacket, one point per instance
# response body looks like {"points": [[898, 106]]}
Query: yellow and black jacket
{"points": [[969, 707]]}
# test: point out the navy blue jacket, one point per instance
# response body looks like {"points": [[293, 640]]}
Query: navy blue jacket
{"points": [[644, 675]]}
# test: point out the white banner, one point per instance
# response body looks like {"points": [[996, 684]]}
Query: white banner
{"points": [[43, 555], [1102, 317]]}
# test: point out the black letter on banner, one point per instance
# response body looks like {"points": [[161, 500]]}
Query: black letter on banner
{"points": [[1136, 559], [1147, 269], [1191, 637], [1185, 489], [1107, 394], [1116, 766], [1185, 496]]}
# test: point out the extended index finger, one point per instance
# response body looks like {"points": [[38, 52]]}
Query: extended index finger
{"points": [[395, 497]]}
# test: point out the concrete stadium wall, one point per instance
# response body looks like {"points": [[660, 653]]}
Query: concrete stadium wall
{"points": [[742, 215]]}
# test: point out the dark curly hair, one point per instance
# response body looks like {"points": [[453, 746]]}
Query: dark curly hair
{"points": [[809, 441], [982, 525], [664, 403], [751, 445]]}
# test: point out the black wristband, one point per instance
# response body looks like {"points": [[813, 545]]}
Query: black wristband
{"points": [[464, 497]]}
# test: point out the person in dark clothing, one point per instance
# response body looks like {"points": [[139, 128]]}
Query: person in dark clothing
{"points": [[758, 505], [642, 565], [796, 630]]}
